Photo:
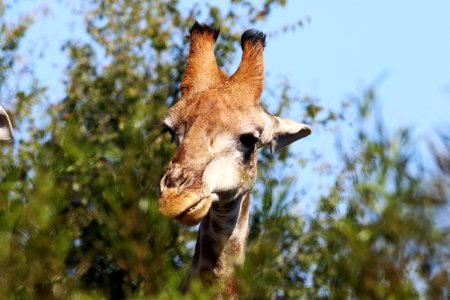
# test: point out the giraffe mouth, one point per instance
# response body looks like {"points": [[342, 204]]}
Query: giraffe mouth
{"points": [[188, 207], [195, 213]]}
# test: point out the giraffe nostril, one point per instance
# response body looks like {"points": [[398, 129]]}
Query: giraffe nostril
{"points": [[183, 181], [178, 178], [168, 181]]}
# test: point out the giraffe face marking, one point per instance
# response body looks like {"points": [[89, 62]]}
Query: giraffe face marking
{"points": [[216, 155]]}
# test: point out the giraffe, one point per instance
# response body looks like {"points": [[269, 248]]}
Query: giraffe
{"points": [[218, 126], [6, 132]]}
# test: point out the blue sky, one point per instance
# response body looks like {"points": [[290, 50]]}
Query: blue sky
{"points": [[349, 43]]}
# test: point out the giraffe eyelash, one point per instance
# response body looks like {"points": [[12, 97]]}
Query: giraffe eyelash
{"points": [[165, 129]]}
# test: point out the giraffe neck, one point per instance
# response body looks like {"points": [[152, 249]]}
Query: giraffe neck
{"points": [[221, 242]]}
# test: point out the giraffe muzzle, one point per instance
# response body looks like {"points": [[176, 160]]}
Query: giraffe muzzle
{"points": [[181, 198]]}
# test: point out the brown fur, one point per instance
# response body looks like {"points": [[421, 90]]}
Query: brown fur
{"points": [[201, 119], [209, 99], [218, 124]]}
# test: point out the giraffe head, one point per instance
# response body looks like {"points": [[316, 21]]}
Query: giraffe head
{"points": [[217, 126], [6, 132]]}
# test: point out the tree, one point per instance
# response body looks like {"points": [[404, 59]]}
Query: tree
{"points": [[79, 217]]}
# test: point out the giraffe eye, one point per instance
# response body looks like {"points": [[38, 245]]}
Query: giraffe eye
{"points": [[169, 130], [249, 140]]}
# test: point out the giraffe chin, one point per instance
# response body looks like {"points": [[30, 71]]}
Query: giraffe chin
{"points": [[187, 208]]}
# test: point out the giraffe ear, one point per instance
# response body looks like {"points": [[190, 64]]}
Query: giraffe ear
{"points": [[6, 132], [283, 132]]}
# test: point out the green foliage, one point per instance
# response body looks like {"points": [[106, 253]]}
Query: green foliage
{"points": [[78, 211]]}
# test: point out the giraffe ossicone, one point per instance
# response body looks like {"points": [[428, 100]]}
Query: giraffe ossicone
{"points": [[218, 126]]}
